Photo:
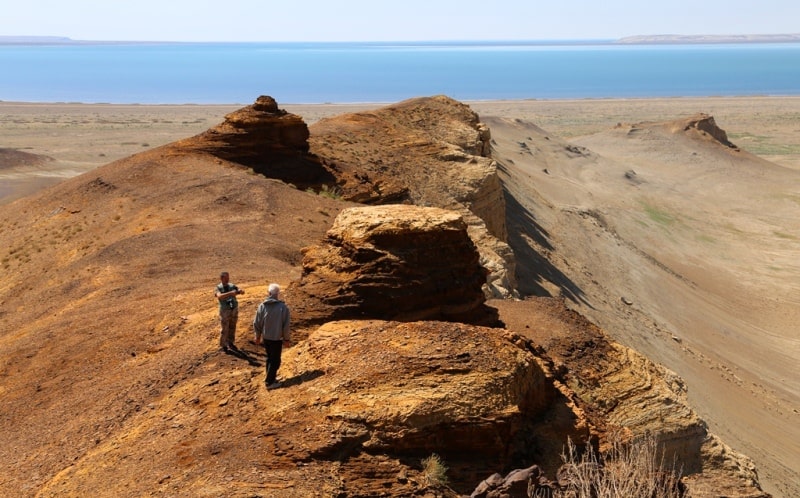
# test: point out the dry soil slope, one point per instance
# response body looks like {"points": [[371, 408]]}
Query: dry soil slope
{"points": [[682, 247], [106, 301]]}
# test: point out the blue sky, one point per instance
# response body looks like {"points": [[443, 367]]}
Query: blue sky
{"points": [[378, 20]]}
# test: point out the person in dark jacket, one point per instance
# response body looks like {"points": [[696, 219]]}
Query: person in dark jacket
{"points": [[271, 326]]}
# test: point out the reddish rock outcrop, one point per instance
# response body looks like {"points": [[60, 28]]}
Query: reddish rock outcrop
{"points": [[431, 151], [464, 392], [267, 139], [395, 262]]}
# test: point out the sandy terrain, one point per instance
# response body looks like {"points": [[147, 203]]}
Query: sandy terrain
{"points": [[83, 136], [696, 266], [683, 249]]}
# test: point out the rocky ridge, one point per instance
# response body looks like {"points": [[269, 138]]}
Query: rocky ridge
{"points": [[180, 418], [428, 152], [267, 139]]}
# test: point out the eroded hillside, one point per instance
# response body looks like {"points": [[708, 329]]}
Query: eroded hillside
{"points": [[112, 384], [680, 245]]}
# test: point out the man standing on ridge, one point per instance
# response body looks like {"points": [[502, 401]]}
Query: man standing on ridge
{"points": [[226, 293], [272, 325]]}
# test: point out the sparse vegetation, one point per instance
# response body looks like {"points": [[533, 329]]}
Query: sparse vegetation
{"points": [[763, 145], [632, 470], [784, 235], [659, 216], [706, 238], [434, 471], [333, 192]]}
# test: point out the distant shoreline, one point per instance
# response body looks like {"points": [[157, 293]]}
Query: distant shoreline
{"points": [[628, 40], [587, 100], [707, 39]]}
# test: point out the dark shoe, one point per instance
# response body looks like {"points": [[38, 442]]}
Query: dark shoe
{"points": [[274, 385]]}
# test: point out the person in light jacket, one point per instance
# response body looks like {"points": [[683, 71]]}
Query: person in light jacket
{"points": [[271, 326]]}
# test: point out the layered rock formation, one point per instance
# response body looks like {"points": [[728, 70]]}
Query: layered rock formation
{"points": [[624, 396], [394, 262], [267, 139], [417, 388], [428, 152], [704, 124]]}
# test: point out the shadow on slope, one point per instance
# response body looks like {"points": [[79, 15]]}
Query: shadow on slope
{"points": [[530, 241]]}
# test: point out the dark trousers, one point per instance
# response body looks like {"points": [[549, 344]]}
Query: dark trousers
{"points": [[274, 349]]}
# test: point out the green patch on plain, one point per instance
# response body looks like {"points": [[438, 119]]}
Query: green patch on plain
{"points": [[734, 229], [794, 198], [783, 235], [659, 215], [762, 145], [706, 238]]}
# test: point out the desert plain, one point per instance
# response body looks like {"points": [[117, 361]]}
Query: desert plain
{"points": [[699, 269], [79, 137]]}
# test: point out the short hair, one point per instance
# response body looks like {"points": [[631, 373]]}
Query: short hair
{"points": [[273, 290], [222, 274]]}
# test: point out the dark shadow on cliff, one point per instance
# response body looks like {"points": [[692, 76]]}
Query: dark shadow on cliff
{"points": [[524, 235]]}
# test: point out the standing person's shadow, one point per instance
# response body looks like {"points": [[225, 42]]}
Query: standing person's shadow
{"points": [[245, 355], [303, 377]]}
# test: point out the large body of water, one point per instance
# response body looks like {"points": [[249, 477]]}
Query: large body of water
{"points": [[233, 73]]}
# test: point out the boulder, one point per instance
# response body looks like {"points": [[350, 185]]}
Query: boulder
{"points": [[395, 262], [519, 483], [410, 389]]}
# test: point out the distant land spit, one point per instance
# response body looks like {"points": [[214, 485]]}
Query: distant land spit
{"points": [[628, 40]]}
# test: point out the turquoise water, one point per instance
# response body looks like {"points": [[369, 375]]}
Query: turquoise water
{"points": [[209, 73]]}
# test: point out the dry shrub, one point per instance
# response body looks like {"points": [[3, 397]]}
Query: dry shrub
{"points": [[632, 470], [434, 471]]}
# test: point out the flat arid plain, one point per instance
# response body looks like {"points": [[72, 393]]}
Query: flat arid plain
{"points": [[80, 137], [689, 255]]}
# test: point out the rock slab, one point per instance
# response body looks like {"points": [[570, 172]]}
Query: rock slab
{"points": [[394, 262]]}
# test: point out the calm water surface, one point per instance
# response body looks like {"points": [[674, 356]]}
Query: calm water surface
{"points": [[217, 73]]}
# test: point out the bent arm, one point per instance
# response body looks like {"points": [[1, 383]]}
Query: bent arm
{"points": [[225, 295], [287, 336], [258, 325]]}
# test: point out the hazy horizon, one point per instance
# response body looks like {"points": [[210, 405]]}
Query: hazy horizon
{"points": [[643, 38], [413, 20]]}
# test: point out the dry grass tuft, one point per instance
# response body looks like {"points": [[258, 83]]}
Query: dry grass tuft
{"points": [[633, 470], [434, 471]]}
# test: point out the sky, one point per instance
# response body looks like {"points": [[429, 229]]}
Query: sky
{"points": [[381, 20]]}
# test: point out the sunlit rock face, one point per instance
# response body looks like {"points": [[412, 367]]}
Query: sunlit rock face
{"points": [[395, 262]]}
